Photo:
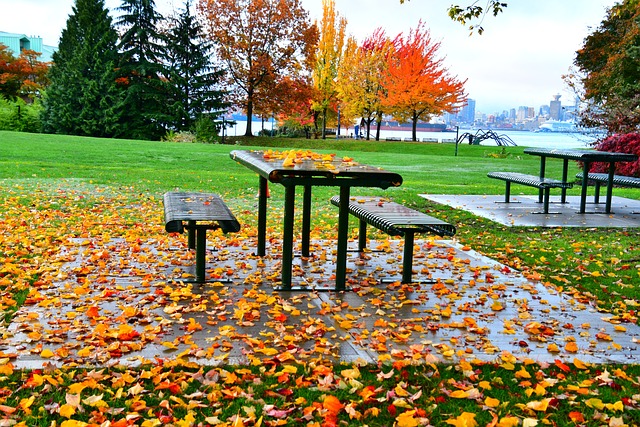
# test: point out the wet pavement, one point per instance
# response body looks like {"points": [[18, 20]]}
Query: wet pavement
{"points": [[111, 301], [526, 211]]}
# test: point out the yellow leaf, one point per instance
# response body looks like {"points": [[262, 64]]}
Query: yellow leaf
{"points": [[46, 353], [595, 403], [571, 347], [529, 422], [491, 402], [539, 405], [553, 348], [406, 419], [523, 374], [459, 394], [466, 419], [67, 410], [579, 364], [508, 422]]}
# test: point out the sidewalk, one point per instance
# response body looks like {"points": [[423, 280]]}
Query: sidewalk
{"points": [[113, 302]]}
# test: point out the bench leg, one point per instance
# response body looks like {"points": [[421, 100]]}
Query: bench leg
{"points": [[547, 190], [362, 236], [201, 250], [287, 237], [262, 216], [596, 196], [507, 192], [407, 257]]}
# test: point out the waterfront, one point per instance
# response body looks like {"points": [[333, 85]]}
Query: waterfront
{"points": [[521, 138]]}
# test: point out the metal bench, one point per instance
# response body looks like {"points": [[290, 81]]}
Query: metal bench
{"points": [[201, 212], [544, 184], [603, 178], [395, 220]]}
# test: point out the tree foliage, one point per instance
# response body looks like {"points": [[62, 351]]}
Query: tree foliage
{"points": [[474, 14], [142, 70], [417, 84], [260, 42], [193, 81], [359, 84], [610, 65], [83, 98], [24, 76], [328, 57]]}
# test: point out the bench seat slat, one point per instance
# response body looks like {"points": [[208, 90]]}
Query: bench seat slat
{"points": [[625, 181], [530, 180], [182, 206]]}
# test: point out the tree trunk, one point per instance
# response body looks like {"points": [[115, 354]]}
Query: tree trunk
{"points": [[249, 132], [414, 128], [379, 121], [324, 123]]}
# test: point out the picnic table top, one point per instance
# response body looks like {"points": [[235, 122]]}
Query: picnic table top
{"points": [[278, 166], [583, 155]]}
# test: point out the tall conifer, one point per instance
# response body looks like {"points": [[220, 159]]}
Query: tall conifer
{"points": [[142, 48], [83, 98], [193, 80]]}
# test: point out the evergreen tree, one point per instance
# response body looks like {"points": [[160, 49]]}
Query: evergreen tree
{"points": [[83, 98], [193, 80], [142, 48]]}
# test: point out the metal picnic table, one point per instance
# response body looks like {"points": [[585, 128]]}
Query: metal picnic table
{"points": [[307, 169], [587, 157]]}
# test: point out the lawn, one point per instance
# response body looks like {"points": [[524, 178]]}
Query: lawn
{"points": [[55, 186]]}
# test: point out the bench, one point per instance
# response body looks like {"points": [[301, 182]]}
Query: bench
{"points": [[393, 138], [603, 178], [200, 212], [395, 220], [544, 184]]}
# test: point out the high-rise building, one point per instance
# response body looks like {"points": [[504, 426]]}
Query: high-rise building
{"points": [[468, 112], [555, 108]]}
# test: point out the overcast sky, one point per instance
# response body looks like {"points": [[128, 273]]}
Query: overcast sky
{"points": [[518, 61]]}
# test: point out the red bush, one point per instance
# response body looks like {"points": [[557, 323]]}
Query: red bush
{"points": [[622, 143]]}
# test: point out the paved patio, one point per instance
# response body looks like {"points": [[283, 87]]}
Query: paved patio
{"points": [[111, 301]]}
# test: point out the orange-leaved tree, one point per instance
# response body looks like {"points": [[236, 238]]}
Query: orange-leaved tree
{"points": [[328, 56], [416, 82], [23, 76], [359, 81], [260, 42]]}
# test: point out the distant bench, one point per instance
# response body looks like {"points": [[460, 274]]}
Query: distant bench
{"points": [[395, 220], [545, 184], [603, 178], [201, 212]]}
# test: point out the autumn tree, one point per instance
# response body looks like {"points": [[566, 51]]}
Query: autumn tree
{"points": [[141, 70], [609, 65], [83, 98], [416, 82], [193, 86], [260, 42], [359, 82], [328, 56], [24, 76]]}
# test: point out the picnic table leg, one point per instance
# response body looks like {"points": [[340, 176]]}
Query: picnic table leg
{"points": [[191, 234], [543, 166], [612, 170], [583, 190], [362, 236], [262, 216], [306, 220], [407, 257], [343, 231], [201, 250], [287, 236], [565, 173]]}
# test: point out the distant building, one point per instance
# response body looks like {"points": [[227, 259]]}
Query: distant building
{"points": [[19, 42], [555, 108], [468, 112]]}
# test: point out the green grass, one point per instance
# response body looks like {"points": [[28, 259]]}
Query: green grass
{"points": [[45, 174]]}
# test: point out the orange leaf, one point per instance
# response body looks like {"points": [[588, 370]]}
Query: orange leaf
{"points": [[332, 404]]}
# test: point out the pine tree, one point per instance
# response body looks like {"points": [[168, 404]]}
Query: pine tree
{"points": [[83, 98], [141, 73], [193, 81]]}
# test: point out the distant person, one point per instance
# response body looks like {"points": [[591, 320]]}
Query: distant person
{"points": [[356, 130]]}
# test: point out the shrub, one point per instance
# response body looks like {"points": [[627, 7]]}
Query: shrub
{"points": [[19, 116], [621, 143]]}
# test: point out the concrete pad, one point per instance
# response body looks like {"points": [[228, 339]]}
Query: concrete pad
{"points": [[112, 302], [526, 211]]}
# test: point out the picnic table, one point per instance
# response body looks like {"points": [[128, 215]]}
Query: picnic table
{"points": [[587, 157], [307, 169]]}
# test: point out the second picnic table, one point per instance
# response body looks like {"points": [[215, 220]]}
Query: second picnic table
{"points": [[586, 157], [307, 169]]}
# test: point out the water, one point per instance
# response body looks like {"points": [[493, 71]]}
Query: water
{"points": [[521, 138]]}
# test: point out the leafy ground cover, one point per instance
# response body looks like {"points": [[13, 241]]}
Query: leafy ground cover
{"points": [[55, 188]]}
